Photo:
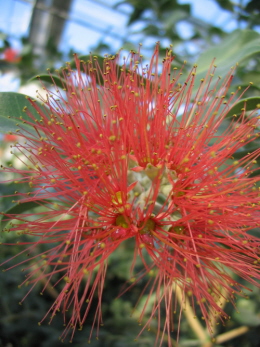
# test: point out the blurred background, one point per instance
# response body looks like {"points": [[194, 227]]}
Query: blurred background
{"points": [[40, 34]]}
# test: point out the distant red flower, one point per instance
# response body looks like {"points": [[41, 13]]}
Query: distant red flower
{"points": [[132, 153], [11, 55], [9, 138]]}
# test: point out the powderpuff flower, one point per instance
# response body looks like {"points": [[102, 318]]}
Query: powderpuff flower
{"points": [[9, 138], [129, 150], [11, 55]]}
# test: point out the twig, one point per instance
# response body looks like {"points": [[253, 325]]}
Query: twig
{"points": [[229, 335], [194, 323], [213, 319]]}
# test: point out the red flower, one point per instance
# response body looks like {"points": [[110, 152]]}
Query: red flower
{"points": [[9, 138], [131, 153], [11, 55]]}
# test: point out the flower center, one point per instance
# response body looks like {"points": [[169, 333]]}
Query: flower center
{"points": [[122, 221], [146, 227], [177, 230]]}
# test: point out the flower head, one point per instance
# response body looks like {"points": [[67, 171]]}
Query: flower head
{"points": [[11, 55], [133, 151]]}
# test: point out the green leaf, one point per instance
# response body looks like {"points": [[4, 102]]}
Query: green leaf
{"points": [[11, 109], [98, 58], [242, 154], [250, 76], [252, 6], [226, 5], [247, 313], [139, 8], [174, 17], [18, 209], [236, 47], [251, 104], [60, 82]]}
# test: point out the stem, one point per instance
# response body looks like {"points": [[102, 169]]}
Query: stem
{"points": [[194, 323], [221, 303], [198, 329], [229, 335]]}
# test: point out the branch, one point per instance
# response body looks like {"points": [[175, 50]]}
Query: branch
{"points": [[194, 323], [229, 335]]}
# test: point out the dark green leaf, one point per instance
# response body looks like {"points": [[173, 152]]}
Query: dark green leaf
{"points": [[138, 9], [174, 17], [18, 209], [184, 7], [253, 5], [151, 30], [12, 114], [251, 104], [213, 30], [251, 76], [60, 82], [226, 5], [97, 58], [242, 154]]}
